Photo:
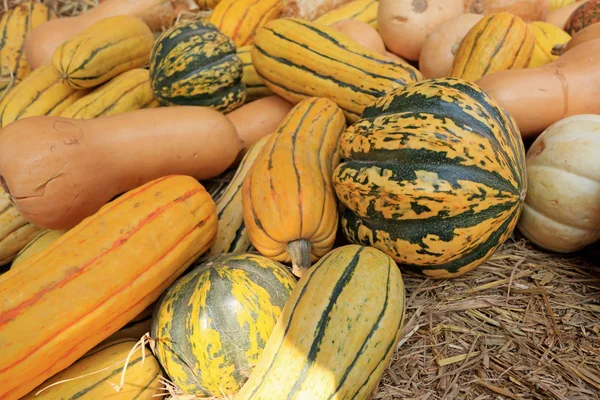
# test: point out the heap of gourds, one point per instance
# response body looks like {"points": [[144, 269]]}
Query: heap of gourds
{"points": [[397, 122]]}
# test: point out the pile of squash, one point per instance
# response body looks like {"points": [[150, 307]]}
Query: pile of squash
{"points": [[367, 137]]}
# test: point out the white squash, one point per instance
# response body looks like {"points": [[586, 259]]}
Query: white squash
{"points": [[562, 208]]}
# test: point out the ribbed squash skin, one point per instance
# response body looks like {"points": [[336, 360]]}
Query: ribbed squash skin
{"points": [[299, 59], [359, 10], [15, 231], [337, 332], [586, 14], [40, 93], [213, 323], [239, 19], [546, 37], [141, 381], [232, 236], [256, 88], [287, 195], [15, 24], [498, 42], [196, 65], [102, 51], [433, 175], [39, 243], [127, 92], [110, 267]]}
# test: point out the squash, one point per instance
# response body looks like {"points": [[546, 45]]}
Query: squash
{"points": [[560, 16], [126, 92], [142, 379], [496, 43], [102, 51], [357, 10], [40, 93], [39, 243], [194, 64], [290, 209], [433, 175], [529, 10], [15, 25], [239, 19], [337, 332], [405, 24], [68, 168], [309, 10], [15, 231], [115, 264], [136, 328], [562, 209], [546, 37], [232, 236], [255, 86], [588, 33], [211, 325], [298, 59], [538, 97], [556, 4], [584, 15], [440, 47], [362, 33]]}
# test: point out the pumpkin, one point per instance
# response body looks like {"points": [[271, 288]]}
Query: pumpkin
{"points": [[115, 264], [255, 86], [212, 324], [337, 332], [496, 43], [105, 363], [585, 15], [562, 209], [15, 25], [433, 175], [298, 59], [290, 209], [126, 92], [358, 10], [546, 37], [194, 64], [529, 10], [39, 243]]}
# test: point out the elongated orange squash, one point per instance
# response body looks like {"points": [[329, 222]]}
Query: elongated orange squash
{"points": [[290, 208], [98, 276]]}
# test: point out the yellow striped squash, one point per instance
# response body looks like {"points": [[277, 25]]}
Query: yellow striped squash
{"points": [[232, 236], [256, 88], [555, 4], [359, 10], [546, 37], [15, 24], [212, 324], [290, 209], [498, 42], [40, 93], [39, 243], [337, 332], [239, 19], [136, 328], [207, 4], [142, 378], [102, 51], [127, 92], [433, 175], [299, 59]]}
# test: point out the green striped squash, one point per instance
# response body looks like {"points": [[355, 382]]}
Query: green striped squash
{"points": [[357, 10], [211, 325], [298, 59], [193, 64], [256, 88], [433, 175], [337, 332]]}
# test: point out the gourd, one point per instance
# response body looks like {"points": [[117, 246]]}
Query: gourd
{"points": [[337, 332], [255, 86], [586, 14], [529, 10], [239, 19], [290, 209], [212, 324], [102, 51], [126, 92], [443, 195], [194, 64], [40, 93], [15, 25], [39, 243], [114, 263], [496, 43], [362, 33], [53, 176], [547, 36], [298, 59], [562, 209], [358, 10], [142, 378]]}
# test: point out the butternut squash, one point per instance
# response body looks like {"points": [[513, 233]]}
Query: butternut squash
{"points": [[560, 16], [68, 168], [529, 10], [362, 33], [588, 33]]}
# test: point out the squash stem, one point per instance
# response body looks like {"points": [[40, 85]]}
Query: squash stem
{"points": [[299, 251]]}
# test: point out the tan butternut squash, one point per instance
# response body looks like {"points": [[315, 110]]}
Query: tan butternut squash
{"points": [[362, 33], [529, 10], [588, 33], [560, 15]]}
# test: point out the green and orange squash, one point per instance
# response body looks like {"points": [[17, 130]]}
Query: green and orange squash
{"points": [[586, 14]]}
